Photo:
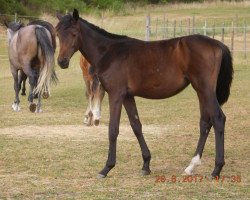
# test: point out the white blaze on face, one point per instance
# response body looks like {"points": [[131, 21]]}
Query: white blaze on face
{"points": [[196, 160]]}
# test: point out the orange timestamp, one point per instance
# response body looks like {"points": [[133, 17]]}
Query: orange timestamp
{"points": [[195, 179]]}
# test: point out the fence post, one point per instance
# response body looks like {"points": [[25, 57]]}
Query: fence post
{"points": [[102, 19], [193, 25], [15, 17], [189, 26], [174, 29], [167, 29], [232, 38], [245, 40], [213, 29], [147, 35], [222, 32], [181, 27], [236, 22], [205, 27], [156, 28], [164, 26]]}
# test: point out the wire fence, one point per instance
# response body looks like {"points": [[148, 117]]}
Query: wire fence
{"points": [[234, 32]]}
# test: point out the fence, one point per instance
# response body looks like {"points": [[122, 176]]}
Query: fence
{"points": [[235, 32]]}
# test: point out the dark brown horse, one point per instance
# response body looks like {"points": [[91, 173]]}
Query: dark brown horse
{"points": [[128, 67]]}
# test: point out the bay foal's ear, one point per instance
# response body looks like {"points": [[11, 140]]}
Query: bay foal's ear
{"points": [[75, 15], [59, 15]]}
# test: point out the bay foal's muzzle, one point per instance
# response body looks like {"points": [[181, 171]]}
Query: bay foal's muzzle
{"points": [[63, 62]]}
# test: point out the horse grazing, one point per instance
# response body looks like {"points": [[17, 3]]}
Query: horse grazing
{"points": [[22, 77], [31, 52], [94, 94], [129, 67]]}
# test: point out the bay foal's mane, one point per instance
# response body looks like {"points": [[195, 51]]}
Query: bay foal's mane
{"points": [[67, 20]]}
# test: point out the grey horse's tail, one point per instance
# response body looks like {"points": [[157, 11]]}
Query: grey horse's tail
{"points": [[47, 71]]}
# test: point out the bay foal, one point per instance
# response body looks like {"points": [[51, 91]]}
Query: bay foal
{"points": [[129, 67]]}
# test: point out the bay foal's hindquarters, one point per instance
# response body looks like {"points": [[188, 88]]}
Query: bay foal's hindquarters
{"points": [[128, 67]]}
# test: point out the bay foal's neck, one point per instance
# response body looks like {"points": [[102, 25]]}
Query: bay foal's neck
{"points": [[94, 43]]}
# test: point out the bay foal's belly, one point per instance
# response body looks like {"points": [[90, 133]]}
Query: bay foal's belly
{"points": [[159, 89], [157, 83]]}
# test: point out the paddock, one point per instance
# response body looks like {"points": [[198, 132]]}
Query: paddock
{"points": [[54, 155]]}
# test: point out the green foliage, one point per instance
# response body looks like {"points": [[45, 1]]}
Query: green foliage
{"points": [[11, 7], [35, 7]]}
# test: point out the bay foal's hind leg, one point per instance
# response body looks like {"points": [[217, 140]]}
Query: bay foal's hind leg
{"points": [[130, 106], [115, 106], [205, 126], [15, 105], [212, 115], [218, 121]]}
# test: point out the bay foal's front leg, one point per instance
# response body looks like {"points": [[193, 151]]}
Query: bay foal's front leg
{"points": [[115, 106], [130, 106]]}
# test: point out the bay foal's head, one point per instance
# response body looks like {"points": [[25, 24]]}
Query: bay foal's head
{"points": [[68, 32]]}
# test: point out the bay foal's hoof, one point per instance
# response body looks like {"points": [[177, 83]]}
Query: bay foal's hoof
{"points": [[145, 172], [32, 107], [100, 176], [214, 177]]}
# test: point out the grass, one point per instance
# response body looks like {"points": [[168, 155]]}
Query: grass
{"points": [[52, 155]]}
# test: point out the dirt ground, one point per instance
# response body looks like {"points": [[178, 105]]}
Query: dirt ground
{"points": [[79, 132]]}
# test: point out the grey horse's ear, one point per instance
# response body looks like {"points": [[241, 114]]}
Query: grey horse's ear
{"points": [[59, 15], [75, 14]]}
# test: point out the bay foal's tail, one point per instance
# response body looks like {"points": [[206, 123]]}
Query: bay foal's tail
{"points": [[225, 76], [47, 71]]}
